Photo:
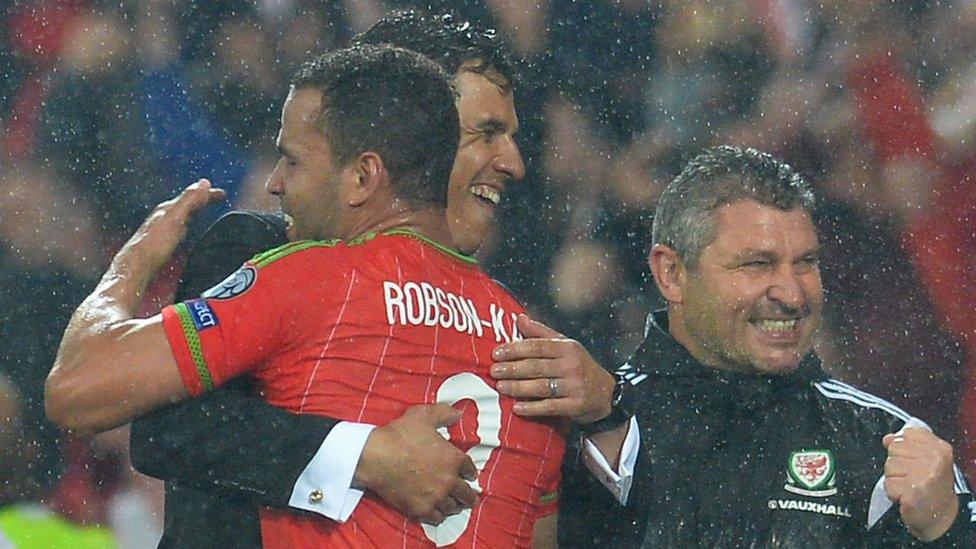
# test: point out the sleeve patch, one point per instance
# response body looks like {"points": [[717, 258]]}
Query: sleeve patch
{"points": [[190, 332], [203, 316], [234, 285]]}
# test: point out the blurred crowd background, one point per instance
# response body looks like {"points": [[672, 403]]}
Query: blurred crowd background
{"points": [[107, 108]]}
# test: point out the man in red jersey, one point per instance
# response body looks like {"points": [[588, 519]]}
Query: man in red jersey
{"points": [[227, 453], [400, 319], [438, 318]]}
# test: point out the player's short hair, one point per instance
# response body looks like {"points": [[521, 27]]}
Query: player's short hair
{"points": [[716, 177], [448, 40], [394, 102]]}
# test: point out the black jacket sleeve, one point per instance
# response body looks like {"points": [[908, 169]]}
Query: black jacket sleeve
{"points": [[228, 440], [589, 514], [892, 532], [962, 533]]}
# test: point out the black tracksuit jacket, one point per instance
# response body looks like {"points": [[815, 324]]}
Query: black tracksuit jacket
{"points": [[738, 460]]}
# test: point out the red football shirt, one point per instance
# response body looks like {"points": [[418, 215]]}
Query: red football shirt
{"points": [[361, 332]]}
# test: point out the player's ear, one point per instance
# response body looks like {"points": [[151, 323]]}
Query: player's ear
{"points": [[363, 177], [670, 273]]}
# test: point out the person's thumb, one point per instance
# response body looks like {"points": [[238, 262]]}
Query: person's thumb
{"points": [[534, 329]]}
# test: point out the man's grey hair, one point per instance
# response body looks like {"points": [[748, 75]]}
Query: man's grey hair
{"points": [[717, 177]]}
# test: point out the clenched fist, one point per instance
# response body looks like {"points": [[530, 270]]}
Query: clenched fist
{"points": [[919, 479]]}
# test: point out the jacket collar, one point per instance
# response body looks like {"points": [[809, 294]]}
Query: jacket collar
{"points": [[661, 356]]}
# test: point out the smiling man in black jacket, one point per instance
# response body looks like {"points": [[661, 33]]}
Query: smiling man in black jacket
{"points": [[744, 440]]}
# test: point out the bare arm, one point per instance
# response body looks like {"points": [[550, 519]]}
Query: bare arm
{"points": [[112, 367]]}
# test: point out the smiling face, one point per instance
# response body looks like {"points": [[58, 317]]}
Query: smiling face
{"points": [[487, 157], [305, 179], [754, 300]]}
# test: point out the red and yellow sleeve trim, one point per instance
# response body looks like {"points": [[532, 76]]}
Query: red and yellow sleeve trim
{"points": [[185, 342]]}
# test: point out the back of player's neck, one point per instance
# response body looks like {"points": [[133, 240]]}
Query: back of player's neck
{"points": [[429, 221]]}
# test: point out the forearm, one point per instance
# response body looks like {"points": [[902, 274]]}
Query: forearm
{"points": [[102, 315], [81, 379], [118, 294], [111, 366], [116, 299]]}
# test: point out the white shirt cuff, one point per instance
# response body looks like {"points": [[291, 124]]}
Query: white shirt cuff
{"points": [[618, 482], [325, 486]]}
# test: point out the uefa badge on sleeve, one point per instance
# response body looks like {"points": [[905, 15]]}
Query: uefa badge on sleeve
{"points": [[234, 285], [811, 473]]}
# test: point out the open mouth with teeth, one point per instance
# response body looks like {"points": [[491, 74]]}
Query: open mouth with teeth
{"points": [[486, 193], [778, 331], [773, 326]]}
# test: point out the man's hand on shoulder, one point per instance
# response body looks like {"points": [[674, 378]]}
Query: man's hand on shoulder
{"points": [[107, 353], [919, 478], [154, 243], [552, 375], [409, 465]]}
